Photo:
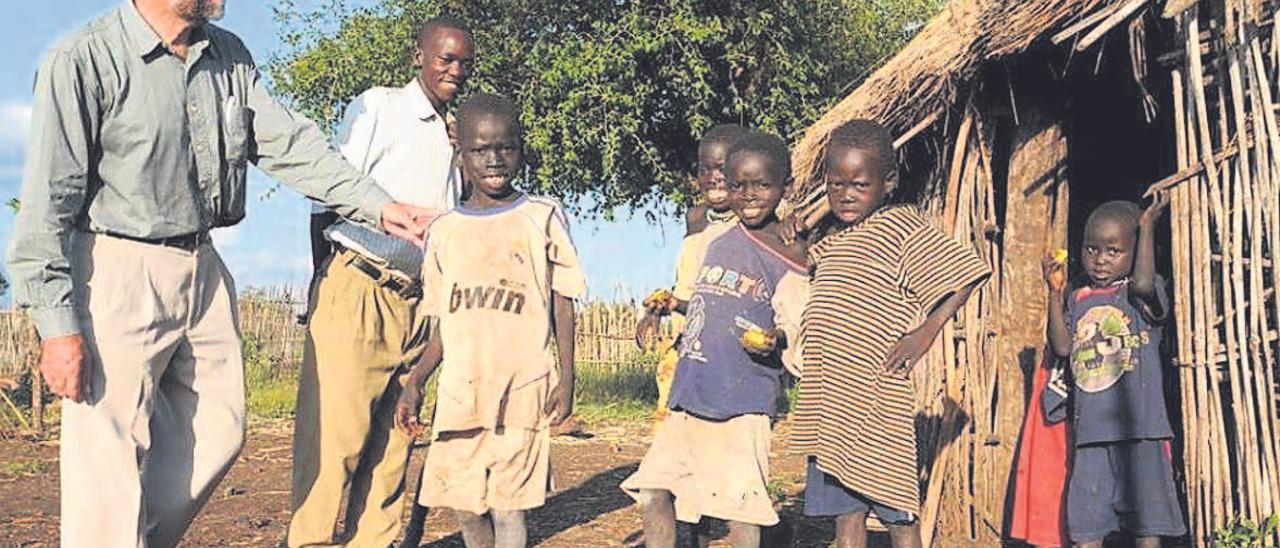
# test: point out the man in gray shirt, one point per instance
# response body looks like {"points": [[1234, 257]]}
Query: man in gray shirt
{"points": [[143, 126]]}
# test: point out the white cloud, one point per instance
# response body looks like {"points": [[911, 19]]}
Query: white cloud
{"points": [[15, 124], [225, 238]]}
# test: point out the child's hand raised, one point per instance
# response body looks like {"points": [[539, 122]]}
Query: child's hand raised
{"points": [[1153, 212], [407, 409]]}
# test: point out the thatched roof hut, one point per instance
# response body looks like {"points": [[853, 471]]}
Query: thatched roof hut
{"points": [[1015, 119]]}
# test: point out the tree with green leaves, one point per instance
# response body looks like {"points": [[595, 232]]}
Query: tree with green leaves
{"points": [[614, 92]]}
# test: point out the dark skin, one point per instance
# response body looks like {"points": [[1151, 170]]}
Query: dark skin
{"points": [[1108, 255], [755, 188], [711, 183], [1112, 249], [445, 58], [857, 185], [491, 154], [490, 151], [715, 197]]}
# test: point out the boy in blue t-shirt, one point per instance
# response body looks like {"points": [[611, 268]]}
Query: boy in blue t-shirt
{"points": [[1121, 476], [712, 452]]}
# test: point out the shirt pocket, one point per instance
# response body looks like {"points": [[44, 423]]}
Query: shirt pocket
{"points": [[237, 135]]}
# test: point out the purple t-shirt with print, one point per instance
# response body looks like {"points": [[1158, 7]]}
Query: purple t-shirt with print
{"points": [[1116, 366], [716, 377]]}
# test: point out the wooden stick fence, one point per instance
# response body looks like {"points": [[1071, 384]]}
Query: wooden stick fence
{"points": [[269, 321]]}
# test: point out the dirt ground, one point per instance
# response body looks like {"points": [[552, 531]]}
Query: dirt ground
{"points": [[250, 507]]}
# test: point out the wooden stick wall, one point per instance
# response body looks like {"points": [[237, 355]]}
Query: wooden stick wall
{"points": [[1225, 233]]}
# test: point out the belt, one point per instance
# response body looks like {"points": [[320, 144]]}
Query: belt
{"points": [[186, 242], [384, 277]]}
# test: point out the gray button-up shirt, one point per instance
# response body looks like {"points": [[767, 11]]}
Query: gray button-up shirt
{"points": [[129, 139]]}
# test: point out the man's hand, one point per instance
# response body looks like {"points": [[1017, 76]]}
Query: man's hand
{"points": [[407, 409], [560, 404], [408, 222], [64, 366], [1153, 212], [904, 355]]}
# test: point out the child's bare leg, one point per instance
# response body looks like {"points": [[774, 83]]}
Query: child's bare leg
{"points": [[905, 536], [477, 529], [1090, 544], [509, 530], [851, 530], [694, 535], [1147, 542], [659, 519], [744, 535]]}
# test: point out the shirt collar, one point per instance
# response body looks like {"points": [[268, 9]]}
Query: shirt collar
{"points": [[145, 41], [418, 100]]}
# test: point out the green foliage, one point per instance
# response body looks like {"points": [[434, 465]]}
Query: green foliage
{"points": [[1242, 532], [22, 467], [272, 389], [614, 93], [632, 382], [14, 204]]}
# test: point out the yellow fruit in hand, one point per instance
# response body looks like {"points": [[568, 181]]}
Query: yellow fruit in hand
{"points": [[756, 339], [659, 297], [1060, 255]]}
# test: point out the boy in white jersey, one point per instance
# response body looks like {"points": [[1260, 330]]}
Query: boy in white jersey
{"points": [[501, 274]]}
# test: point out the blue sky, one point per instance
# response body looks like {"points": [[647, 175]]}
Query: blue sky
{"points": [[270, 248]]}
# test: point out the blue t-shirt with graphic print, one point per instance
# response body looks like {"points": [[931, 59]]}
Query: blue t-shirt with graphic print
{"points": [[1116, 366], [716, 377]]}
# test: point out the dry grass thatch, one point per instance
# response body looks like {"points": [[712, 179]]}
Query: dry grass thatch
{"points": [[928, 74]]}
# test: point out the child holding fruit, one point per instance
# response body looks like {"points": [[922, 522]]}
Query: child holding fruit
{"points": [[1110, 329], [704, 223], [712, 452]]}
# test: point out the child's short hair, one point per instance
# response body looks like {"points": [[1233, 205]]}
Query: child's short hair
{"points": [[870, 136], [442, 22], [489, 104], [770, 146], [1123, 211], [724, 134]]}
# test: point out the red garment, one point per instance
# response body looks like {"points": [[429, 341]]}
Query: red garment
{"points": [[1038, 501]]}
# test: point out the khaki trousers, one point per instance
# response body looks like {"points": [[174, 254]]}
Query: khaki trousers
{"points": [[362, 338], [164, 419]]}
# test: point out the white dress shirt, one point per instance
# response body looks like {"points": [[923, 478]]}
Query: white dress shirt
{"points": [[396, 137]]}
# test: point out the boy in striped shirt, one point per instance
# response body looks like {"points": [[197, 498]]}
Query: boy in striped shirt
{"points": [[878, 270]]}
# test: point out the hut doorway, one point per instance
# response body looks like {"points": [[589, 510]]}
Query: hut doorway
{"points": [[1118, 136]]}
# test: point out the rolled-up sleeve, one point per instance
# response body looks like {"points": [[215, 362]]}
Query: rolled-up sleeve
{"points": [[64, 120], [292, 149]]}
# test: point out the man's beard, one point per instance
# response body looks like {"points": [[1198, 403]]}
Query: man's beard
{"points": [[198, 12]]}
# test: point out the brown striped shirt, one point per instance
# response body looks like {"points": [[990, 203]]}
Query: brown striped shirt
{"points": [[873, 282]]}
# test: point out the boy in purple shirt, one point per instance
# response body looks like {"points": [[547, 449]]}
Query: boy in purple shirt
{"points": [[1121, 474], [712, 453]]}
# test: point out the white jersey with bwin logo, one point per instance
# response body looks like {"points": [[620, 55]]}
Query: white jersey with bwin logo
{"points": [[489, 275]]}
